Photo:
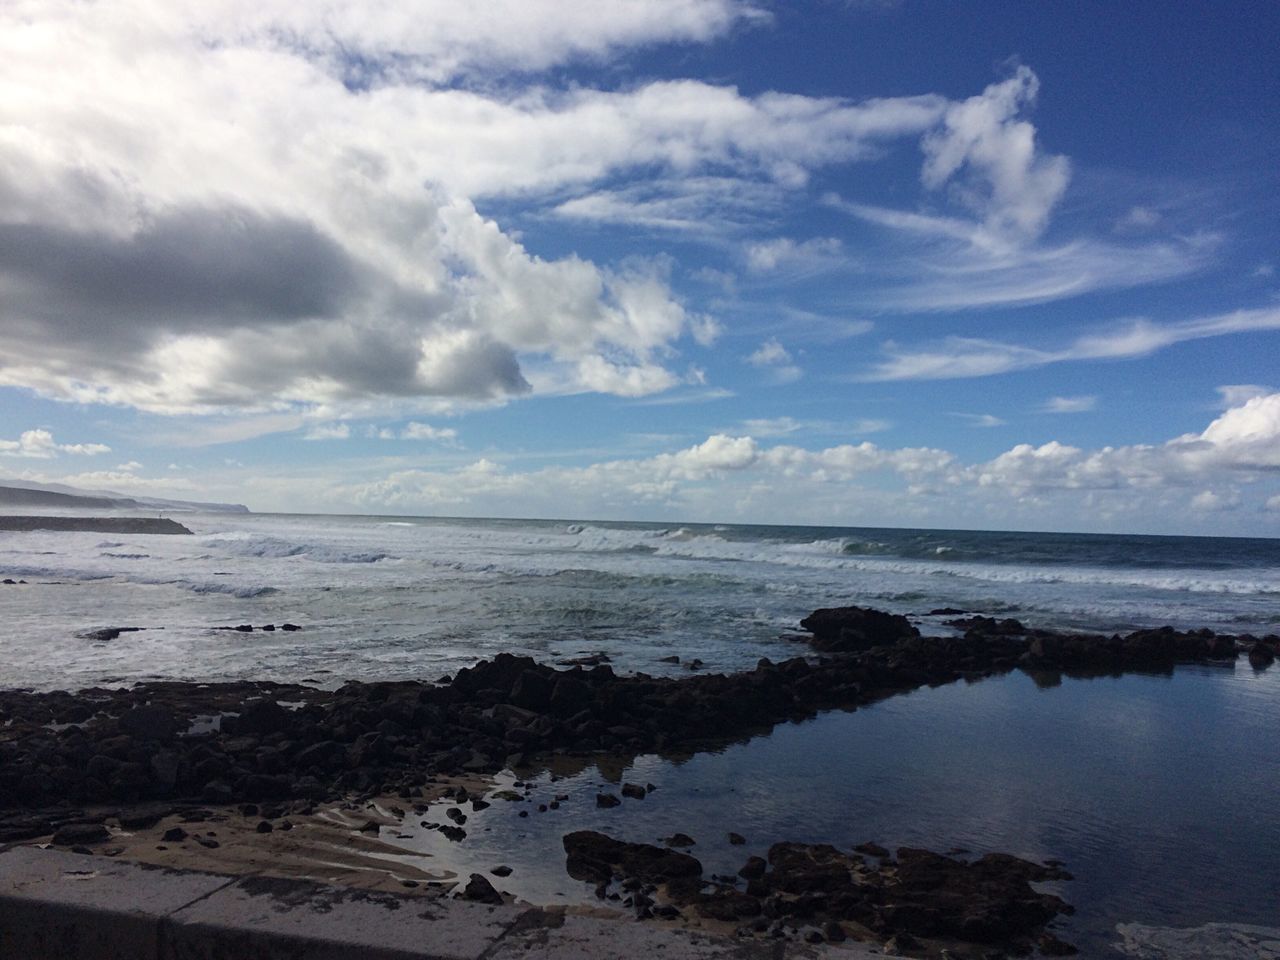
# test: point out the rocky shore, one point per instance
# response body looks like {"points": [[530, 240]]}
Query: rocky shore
{"points": [[70, 761]]}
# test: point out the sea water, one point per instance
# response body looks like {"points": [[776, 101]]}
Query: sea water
{"points": [[1157, 792], [397, 597]]}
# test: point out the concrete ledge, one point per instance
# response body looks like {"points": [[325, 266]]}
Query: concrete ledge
{"points": [[64, 906]]}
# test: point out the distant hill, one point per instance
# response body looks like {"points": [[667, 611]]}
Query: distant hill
{"points": [[28, 493], [20, 497]]}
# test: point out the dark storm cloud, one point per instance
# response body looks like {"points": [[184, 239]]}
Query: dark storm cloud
{"points": [[188, 270]]}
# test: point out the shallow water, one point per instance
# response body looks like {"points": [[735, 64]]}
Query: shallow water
{"points": [[1158, 792]]}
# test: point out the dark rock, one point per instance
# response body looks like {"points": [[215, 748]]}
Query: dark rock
{"points": [[264, 826], [72, 834], [634, 791], [727, 904], [846, 629], [150, 722], [107, 633], [989, 626], [258, 718], [290, 627], [501, 871], [754, 868], [1051, 946], [679, 840], [174, 835], [594, 857], [736, 839], [141, 818], [480, 890], [607, 800], [871, 850]]}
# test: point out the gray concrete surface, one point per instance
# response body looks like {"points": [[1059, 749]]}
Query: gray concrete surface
{"points": [[56, 905]]}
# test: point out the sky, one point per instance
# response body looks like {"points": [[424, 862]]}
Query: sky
{"points": [[837, 262]]}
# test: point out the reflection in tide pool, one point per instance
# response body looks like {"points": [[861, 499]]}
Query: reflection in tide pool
{"points": [[1158, 792]]}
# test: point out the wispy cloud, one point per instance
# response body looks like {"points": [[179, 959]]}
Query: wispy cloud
{"points": [[1070, 404], [958, 357], [796, 258], [978, 419], [775, 362], [328, 431]]}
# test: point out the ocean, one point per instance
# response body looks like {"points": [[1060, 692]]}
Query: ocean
{"points": [[1155, 790], [407, 597]]}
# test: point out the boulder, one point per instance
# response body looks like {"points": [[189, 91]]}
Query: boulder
{"points": [[849, 629]]}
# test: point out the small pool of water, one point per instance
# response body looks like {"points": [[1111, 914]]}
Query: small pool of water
{"points": [[1158, 792]]}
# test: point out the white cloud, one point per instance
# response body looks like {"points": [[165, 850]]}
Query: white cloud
{"points": [[776, 362], [330, 250], [1235, 394], [1211, 501], [980, 419], [964, 357], [39, 445], [424, 431], [774, 426], [1137, 219], [784, 426], [785, 253], [989, 156], [769, 353], [1248, 435], [328, 431], [1228, 470], [959, 264], [1070, 404]]}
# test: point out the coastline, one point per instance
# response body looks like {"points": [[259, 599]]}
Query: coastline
{"points": [[303, 753], [21, 523]]}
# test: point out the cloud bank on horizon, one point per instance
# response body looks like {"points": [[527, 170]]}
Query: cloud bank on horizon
{"points": [[630, 242]]}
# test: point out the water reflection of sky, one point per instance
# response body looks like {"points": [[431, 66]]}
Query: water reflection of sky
{"points": [[1157, 791]]}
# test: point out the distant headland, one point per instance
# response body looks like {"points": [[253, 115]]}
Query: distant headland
{"points": [[94, 524]]}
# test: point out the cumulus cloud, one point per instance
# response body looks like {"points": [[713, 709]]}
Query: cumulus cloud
{"points": [[1234, 461], [40, 445], [988, 154], [273, 207], [1248, 435]]}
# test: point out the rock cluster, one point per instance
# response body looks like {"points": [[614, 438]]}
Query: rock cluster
{"points": [[146, 743], [918, 895]]}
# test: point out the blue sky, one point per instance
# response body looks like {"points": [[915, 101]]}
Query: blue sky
{"points": [[905, 264]]}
